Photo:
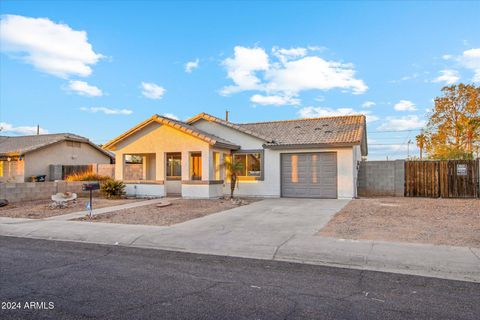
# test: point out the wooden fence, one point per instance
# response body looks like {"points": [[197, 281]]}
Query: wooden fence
{"points": [[446, 179]]}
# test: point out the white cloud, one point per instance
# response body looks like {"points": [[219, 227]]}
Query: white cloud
{"points": [[405, 105], [22, 130], [316, 112], [171, 116], [191, 65], [109, 111], [274, 100], [287, 54], [402, 123], [242, 69], [447, 76], [84, 89], [52, 48], [152, 90], [368, 104], [290, 72], [447, 57], [470, 59]]}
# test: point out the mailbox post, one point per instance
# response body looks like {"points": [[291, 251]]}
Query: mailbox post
{"points": [[90, 186]]}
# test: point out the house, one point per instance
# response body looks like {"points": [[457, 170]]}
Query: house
{"points": [[25, 156], [311, 158]]}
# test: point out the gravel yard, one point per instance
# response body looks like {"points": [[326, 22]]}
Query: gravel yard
{"points": [[39, 209], [438, 221], [180, 210]]}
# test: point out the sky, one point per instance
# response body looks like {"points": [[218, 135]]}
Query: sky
{"points": [[97, 68]]}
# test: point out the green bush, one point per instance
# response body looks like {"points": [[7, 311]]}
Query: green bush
{"points": [[113, 188], [86, 176]]}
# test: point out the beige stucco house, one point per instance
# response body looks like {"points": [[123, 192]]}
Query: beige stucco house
{"points": [[22, 157], [313, 158]]}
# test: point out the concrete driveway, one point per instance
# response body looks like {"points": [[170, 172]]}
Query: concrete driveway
{"points": [[257, 230]]}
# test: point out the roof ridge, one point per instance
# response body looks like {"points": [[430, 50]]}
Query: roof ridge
{"points": [[45, 134], [304, 119]]}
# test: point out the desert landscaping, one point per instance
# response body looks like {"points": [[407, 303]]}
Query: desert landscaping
{"points": [[453, 222]]}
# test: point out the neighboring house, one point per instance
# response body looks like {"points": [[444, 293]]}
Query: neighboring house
{"points": [[313, 158], [25, 156]]}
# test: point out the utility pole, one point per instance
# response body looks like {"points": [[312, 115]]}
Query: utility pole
{"points": [[38, 129]]}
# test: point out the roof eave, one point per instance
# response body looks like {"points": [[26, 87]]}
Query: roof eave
{"points": [[311, 145]]}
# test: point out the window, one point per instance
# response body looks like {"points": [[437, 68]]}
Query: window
{"points": [[251, 164], [174, 166], [196, 166]]}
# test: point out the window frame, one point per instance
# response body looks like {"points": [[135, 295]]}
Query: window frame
{"points": [[167, 167], [262, 164]]}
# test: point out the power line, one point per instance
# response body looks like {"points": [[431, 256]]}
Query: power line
{"points": [[409, 130]]}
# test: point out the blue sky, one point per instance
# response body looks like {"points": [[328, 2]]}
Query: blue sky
{"points": [[96, 68]]}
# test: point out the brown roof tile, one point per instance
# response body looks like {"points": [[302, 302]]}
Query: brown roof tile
{"points": [[326, 130]]}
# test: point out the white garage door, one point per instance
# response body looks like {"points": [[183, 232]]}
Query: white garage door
{"points": [[309, 175]]}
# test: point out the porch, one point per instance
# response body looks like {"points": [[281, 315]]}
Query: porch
{"points": [[187, 173]]}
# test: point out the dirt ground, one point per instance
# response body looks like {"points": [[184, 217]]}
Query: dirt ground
{"points": [[438, 221], [180, 210], [39, 209]]}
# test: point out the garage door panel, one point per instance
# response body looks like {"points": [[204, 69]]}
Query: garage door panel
{"points": [[309, 175]]}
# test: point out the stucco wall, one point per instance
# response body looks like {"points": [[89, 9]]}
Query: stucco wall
{"points": [[161, 139], [37, 162], [270, 187]]}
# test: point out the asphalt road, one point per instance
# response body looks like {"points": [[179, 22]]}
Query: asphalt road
{"points": [[85, 281]]}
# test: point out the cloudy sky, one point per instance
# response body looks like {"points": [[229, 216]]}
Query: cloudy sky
{"points": [[98, 68]]}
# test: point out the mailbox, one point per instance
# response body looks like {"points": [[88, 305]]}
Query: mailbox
{"points": [[90, 186]]}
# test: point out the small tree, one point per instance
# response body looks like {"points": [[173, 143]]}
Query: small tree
{"points": [[232, 167], [453, 129]]}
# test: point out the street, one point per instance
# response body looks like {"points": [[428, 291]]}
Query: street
{"points": [[66, 280]]}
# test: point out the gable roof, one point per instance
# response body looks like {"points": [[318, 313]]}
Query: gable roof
{"points": [[314, 131], [179, 125], [208, 117], [20, 145], [338, 130]]}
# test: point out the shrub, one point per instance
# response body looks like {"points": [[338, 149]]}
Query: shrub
{"points": [[87, 176], [113, 188]]}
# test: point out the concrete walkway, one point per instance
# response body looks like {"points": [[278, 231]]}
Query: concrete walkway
{"points": [[274, 229]]}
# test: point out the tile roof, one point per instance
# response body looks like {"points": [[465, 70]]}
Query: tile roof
{"points": [[232, 125], [180, 125], [18, 145], [326, 130]]}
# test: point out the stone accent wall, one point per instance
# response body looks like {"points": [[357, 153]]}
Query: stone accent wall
{"points": [[24, 191], [381, 178]]}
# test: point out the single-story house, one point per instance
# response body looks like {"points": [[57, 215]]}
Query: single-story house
{"points": [[311, 158], [22, 157]]}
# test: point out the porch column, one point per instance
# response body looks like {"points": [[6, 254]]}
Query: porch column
{"points": [[119, 165], [160, 166], [207, 164], [185, 165], [144, 167]]}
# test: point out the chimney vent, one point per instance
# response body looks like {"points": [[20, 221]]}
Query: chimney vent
{"points": [[226, 115]]}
